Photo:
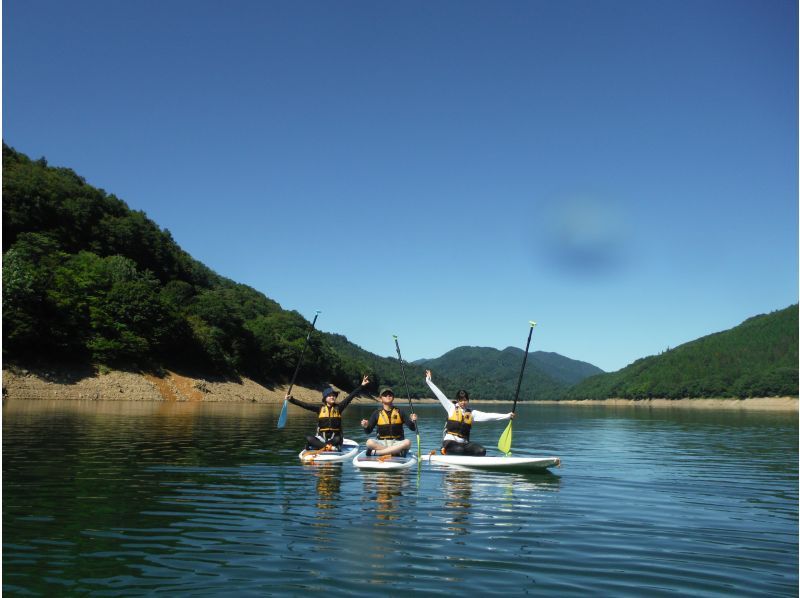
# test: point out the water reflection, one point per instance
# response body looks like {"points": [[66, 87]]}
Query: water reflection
{"points": [[382, 491], [471, 495], [324, 506], [458, 491], [131, 499], [329, 483]]}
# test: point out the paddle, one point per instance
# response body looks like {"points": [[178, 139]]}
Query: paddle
{"points": [[284, 409], [504, 444], [408, 392]]}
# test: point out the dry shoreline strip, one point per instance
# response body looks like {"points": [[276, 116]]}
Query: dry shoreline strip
{"points": [[22, 384], [755, 403], [133, 386]]}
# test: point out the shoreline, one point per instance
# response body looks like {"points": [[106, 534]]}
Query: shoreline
{"points": [[67, 385], [116, 385], [751, 403]]}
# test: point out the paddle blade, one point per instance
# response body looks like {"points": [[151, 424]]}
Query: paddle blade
{"points": [[282, 416], [504, 444]]}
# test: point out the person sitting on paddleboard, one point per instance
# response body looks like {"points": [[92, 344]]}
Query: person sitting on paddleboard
{"points": [[329, 417], [459, 422], [390, 420]]}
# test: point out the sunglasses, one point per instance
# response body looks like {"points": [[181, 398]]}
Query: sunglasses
{"points": [[388, 394]]}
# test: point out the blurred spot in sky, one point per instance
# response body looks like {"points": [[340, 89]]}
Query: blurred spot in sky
{"points": [[586, 237]]}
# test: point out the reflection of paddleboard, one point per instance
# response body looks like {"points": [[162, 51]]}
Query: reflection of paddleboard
{"points": [[494, 463], [349, 448], [384, 463]]}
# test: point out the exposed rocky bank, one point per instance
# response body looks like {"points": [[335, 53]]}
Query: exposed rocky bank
{"points": [[65, 383], [115, 385]]}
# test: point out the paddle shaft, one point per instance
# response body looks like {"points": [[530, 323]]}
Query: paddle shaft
{"points": [[522, 371], [303, 352], [408, 392]]}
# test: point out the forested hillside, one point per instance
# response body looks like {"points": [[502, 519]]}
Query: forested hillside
{"points": [[386, 371], [489, 373], [85, 278], [758, 358]]}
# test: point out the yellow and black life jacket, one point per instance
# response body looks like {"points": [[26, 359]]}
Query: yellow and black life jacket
{"points": [[390, 425], [460, 423], [329, 420]]}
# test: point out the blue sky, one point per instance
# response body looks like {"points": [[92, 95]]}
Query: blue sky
{"points": [[622, 171]]}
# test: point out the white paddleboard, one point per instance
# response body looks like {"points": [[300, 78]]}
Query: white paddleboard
{"points": [[385, 463], [349, 448], [518, 464]]}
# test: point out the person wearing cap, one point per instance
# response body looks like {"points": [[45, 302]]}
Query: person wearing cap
{"points": [[389, 420], [329, 417], [459, 422]]}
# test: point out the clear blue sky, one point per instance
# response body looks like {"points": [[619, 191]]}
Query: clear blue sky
{"points": [[622, 171]]}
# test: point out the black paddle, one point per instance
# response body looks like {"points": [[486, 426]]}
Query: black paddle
{"points": [[504, 444], [284, 410], [408, 392]]}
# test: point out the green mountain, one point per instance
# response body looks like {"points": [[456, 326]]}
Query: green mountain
{"points": [[386, 370], [488, 373], [566, 370], [758, 358], [86, 279]]}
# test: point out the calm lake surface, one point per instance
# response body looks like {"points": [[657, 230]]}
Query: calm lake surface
{"points": [[124, 498]]}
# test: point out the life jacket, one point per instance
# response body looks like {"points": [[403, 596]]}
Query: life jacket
{"points": [[329, 420], [390, 425], [460, 423]]}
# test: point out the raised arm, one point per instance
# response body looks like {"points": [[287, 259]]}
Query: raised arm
{"points": [[446, 403], [346, 401]]}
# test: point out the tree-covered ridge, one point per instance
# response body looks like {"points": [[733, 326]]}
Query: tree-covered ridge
{"points": [[387, 370], [489, 373], [758, 358], [566, 370], [85, 278]]}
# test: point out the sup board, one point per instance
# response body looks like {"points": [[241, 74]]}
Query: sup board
{"points": [[349, 448], [518, 464], [385, 463]]}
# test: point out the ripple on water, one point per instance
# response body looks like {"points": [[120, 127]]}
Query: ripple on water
{"points": [[202, 501]]}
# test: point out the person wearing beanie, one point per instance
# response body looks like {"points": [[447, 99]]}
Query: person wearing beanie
{"points": [[329, 417]]}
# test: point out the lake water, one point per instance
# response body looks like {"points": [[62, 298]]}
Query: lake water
{"points": [[124, 498]]}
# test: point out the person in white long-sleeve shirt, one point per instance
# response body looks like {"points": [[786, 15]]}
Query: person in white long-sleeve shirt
{"points": [[459, 421]]}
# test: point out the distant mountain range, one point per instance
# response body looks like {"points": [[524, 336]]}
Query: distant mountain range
{"points": [[88, 280], [488, 373], [757, 358]]}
